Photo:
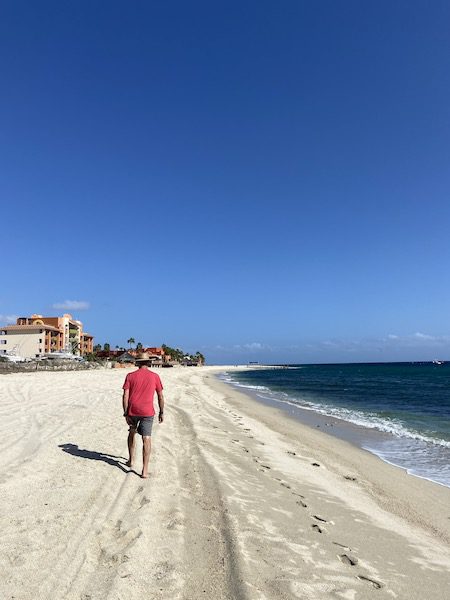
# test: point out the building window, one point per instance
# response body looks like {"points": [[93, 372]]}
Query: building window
{"points": [[2, 341]]}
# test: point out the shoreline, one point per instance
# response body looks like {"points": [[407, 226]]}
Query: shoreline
{"points": [[371, 439], [242, 503], [386, 480]]}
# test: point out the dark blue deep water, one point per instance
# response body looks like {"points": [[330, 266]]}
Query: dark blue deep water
{"points": [[409, 403]]}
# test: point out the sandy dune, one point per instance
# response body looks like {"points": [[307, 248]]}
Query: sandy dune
{"points": [[241, 502]]}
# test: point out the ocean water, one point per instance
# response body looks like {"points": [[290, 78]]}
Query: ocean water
{"points": [[402, 410]]}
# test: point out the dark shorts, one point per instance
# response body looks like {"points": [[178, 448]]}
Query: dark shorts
{"points": [[143, 425]]}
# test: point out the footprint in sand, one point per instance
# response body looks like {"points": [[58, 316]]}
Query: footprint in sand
{"points": [[291, 453], [347, 559], [322, 520], [282, 483], [162, 570], [174, 523], [341, 545], [144, 501], [314, 464], [350, 478], [376, 584], [301, 503], [317, 528]]}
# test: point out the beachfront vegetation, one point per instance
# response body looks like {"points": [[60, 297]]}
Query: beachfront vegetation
{"points": [[198, 356], [175, 353], [180, 356]]}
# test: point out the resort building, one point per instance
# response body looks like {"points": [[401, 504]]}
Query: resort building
{"points": [[37, 335], [157, 352], [156, 355]]}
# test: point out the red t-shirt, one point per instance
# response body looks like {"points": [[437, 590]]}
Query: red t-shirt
{"points": [[142, 385]]}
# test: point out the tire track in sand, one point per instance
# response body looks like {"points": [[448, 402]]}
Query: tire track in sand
{"points": [[85, 545], [211, 560]]}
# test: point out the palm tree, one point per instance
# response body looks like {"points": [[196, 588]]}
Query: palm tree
{"points": [[199, 358], [138, 346], [131, 341]]}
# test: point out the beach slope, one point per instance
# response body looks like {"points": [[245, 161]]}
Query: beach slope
{"points": [[242, 501]]}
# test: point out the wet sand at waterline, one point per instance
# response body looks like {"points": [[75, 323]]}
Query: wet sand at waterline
{"points": [[241, 502]]}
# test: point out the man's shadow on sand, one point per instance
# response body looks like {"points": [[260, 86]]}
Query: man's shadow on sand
{"points": [[110, 459]]}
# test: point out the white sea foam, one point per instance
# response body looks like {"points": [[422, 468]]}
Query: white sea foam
{"points": [[420, 455], [368, 420], [229, 379], [416, 457], [252, 387]]}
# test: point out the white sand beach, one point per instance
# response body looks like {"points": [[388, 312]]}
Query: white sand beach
{"points": [[242, 502]]}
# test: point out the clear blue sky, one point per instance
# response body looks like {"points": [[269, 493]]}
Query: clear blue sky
{"points": [[255, 180]]}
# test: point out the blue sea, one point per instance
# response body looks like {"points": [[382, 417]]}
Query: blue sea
{"points": [[401, 411]]}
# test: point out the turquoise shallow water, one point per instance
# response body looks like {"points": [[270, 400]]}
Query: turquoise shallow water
{"points": [[408, 404]]}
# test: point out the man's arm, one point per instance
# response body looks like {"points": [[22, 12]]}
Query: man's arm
{"points": [[161, 406], [125, 397]]}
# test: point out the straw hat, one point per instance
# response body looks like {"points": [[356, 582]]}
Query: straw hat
{"points": [[143, 357]]}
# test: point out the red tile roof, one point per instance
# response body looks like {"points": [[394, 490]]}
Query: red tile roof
{"points": [[29, 327]]}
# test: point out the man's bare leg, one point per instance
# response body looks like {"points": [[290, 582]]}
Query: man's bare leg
{"points": [[131, 447], [146, 449]]}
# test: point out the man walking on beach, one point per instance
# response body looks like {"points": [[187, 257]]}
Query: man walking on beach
{"points": [[138, 392]]}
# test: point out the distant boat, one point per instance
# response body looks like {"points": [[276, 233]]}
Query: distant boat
{"points": [[438, 362]]}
